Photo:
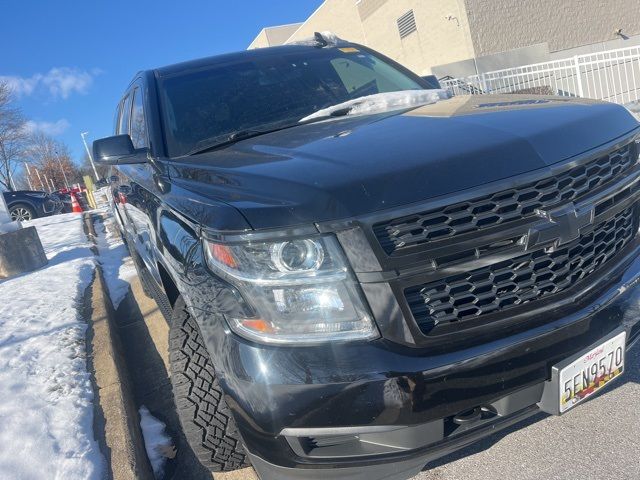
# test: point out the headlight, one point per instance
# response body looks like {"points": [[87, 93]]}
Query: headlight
{"points": [[297, 255], [301, 290]]}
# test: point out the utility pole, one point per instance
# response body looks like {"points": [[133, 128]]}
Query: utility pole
{"points": [[39, 179], [46, 181], [11, 182], [26, 165], [66, 182], [86, 147]]}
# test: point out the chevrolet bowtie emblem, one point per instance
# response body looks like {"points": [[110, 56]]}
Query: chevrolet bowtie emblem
{"points": [[559, 226]]}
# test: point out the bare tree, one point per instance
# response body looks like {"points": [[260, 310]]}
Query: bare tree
{"points": [[52, 158], [13, 136]]}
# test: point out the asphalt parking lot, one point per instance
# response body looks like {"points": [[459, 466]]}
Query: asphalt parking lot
{"points": [[599, 440]]}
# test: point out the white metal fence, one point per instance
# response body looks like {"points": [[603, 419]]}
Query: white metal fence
{"points": [[613, 75]]}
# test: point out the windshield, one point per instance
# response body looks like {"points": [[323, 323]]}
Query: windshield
{"points": [[270, 90]]}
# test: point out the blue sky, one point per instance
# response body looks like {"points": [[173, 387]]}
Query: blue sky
{"points": [[69, 61]]}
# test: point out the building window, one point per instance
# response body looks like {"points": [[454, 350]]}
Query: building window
{"points": [[407, 24]]}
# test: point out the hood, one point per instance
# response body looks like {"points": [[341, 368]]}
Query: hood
{"points": [[338, 169]]}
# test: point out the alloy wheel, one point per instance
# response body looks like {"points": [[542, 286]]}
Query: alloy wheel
{"points": [[20, 214]]}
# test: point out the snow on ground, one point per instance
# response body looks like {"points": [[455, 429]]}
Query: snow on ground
{"points": [[157, 443], [46, 412], [116, 263]]}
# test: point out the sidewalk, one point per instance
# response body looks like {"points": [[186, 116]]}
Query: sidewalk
{"points": [[46, 412]]}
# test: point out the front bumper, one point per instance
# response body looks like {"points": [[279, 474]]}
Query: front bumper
{"points": [[379, 410], [399, 468]]}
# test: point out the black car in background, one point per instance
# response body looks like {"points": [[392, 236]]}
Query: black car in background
{"points": [[357, 285], [29, 204]]}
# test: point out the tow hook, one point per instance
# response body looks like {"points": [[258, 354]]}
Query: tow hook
{"points": [[473, 415]]}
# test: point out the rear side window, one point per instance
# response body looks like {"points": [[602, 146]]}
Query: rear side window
{"points": [[116, 119], [125, 114], [138, 130]]}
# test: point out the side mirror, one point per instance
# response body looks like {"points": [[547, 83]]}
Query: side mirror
{"points": [[117, 150]]}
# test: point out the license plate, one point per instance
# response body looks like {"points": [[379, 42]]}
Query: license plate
{"points": [[592, 372]]}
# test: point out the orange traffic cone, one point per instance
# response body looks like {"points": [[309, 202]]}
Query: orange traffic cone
{"points": [[75, 206]]}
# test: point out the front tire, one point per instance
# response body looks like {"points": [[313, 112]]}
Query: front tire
{"points": [[22, 212], [204, 415]]}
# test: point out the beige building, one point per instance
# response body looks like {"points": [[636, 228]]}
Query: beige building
{"points": [[278, 35], [460, 37]]}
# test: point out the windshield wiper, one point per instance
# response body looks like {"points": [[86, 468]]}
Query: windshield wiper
{"points": [[220, 141], [227, 139]]}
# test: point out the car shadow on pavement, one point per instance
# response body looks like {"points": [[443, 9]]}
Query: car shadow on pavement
{"points": [[68, 256], [139, 327], [483, 444], [632, 374]]}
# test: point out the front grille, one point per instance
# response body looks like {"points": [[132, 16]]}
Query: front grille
{"points": [[516, 281], [502, 207]]}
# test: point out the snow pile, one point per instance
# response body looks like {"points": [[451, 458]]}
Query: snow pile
{"points": [[382, 102], [327, 36], [46, 411], [157, 443], [116, 263], [330, 37]]}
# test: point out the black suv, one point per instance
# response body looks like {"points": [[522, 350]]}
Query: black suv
{"points": [[363, 275], [29, 204]]}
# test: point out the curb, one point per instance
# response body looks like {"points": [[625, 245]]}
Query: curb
{"points": [[116, 419]]}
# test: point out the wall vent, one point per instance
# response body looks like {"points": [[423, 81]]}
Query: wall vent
{"points": [[407, 24]]}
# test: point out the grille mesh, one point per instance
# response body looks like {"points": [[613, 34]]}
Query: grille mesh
{"points": [[502, 207], [519, 280]]}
